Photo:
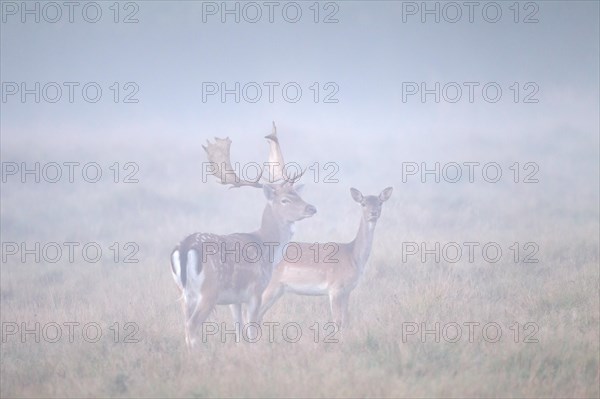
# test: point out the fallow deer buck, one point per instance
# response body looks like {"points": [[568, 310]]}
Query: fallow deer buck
{"points": [[332, 269], [235, 269]]}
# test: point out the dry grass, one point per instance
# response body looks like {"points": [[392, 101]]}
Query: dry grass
{"points": [[559, 294]]}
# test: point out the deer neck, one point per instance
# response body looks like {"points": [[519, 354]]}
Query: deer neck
{"points": [[275, 230], [361, 246]]}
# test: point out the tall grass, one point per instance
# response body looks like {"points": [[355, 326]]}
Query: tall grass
{"points": [[372, 358]]}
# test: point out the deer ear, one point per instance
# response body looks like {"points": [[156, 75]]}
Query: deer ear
{"points": [[356, 195], [269, 192], [385, 194], [299, 188]]}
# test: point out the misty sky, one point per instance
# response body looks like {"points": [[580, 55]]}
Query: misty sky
{"points": [[367, 54]]}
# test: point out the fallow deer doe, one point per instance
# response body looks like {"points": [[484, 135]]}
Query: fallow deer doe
{"points": [[235, 269], [332, 269]]}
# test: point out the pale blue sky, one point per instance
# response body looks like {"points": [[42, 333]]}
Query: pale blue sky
{"points": [[368, 54]]}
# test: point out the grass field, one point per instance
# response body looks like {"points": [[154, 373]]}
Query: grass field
{"points": [[558, 295]]}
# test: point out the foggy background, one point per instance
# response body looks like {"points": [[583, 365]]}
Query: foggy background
{"points": [[368, 54]]}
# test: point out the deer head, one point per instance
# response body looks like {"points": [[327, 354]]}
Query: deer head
{"points": [[286, 202], [371, 203]]}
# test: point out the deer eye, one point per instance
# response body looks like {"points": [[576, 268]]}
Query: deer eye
{"points": [[285, 201]]}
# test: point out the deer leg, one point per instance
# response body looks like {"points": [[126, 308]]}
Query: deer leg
{"points": [[253, 310], [200, 314], [199, 299], [236, 311], [344, 310], [191, 304], [188, 338], [269, 297], [338, 303]]}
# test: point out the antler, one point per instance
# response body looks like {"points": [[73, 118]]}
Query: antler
{"points": [[295, 178], [219, 155], [276, 162]]}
